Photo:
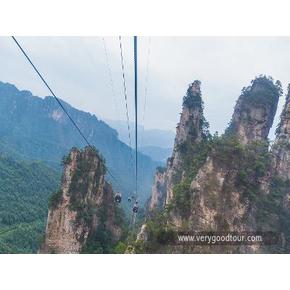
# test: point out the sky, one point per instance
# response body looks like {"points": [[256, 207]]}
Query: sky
{"points": [[78, 71]]}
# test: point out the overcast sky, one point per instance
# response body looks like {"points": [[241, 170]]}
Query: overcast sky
{"points": [[77, 70]]}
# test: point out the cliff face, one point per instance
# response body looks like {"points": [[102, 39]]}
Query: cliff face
{"points": [[83, 206], [255, 111], [231, 183], [281, 150], [191, 130], [159, 189], [223, 189]]}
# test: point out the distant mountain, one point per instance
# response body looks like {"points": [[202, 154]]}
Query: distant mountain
{"points": [[156, 153], [33, 128], [155, 143]]}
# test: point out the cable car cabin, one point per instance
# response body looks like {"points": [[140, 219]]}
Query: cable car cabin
{"points": [[118, 197], [135, 208]]}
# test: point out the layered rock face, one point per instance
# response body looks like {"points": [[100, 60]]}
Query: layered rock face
{"points": [[159, 189], [220, 200], [231, 183], [191, 129], [83, 206], [282, 143], [281, 151], [255, 111]]}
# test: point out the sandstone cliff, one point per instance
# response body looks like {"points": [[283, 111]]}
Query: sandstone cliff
{"points": [[281, 150], [159, 189], [192, 129], [231, 183], [280, 169], [82, 212], [255, 111]]}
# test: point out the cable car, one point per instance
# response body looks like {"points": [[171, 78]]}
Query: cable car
{"points": [[118, 197], [135, 208]]}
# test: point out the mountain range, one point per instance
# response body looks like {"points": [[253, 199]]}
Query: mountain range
{"points": [[35, 134]]}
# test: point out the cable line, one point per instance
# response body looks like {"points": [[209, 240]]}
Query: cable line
{"points": [[56, 98], [110, 76], [60, 104], [146, 88], [135, 206], [136, 112], [125, 93]]}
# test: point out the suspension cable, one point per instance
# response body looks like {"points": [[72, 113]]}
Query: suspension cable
{"points": [[55, 97], [133, 215], [136, 112], [146, 88], [60, 104], [110, 76], [125, 94]]}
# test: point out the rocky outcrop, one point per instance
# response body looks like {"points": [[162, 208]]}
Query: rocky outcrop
{"points": [[157, 200], [281, 147], [191, 129], [83, 206], [230, 183], [218, 199], [255, 111], [281, 151]]}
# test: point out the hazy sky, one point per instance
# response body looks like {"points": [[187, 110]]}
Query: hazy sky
{"points": [[77, 70]]}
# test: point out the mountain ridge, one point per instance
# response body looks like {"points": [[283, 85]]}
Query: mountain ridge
{"points": [[37, 129], [234, 183]]}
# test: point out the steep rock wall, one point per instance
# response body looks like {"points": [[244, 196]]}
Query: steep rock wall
{"points": [[234, 188], [76, 210], [191, 129]]}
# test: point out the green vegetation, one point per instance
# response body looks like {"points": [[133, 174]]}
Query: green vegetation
{"points": [[194, 155], [190, 100], [101, 241], [30, 132], [24, 191], [263, 92], [267, 87], [160, 235], [120, 248], [22, 238], [250, 162], [66, 159], [248, 165], [254, 165], [83, 179], [55, 199], [182, 198]]}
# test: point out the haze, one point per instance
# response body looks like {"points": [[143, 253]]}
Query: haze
{"points": [[77, 70]]}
